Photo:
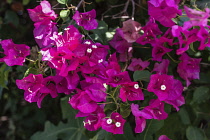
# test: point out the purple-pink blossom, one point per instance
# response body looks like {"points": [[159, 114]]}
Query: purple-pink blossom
{"points": [[131, 30], [87, 19], [42, 12], [189, 68], [15, 54], [165, 87], [138, 64], [163, 11], [131, 91], [113, 124]]}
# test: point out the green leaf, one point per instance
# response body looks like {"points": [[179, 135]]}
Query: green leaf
{"points": [[99, 34], [184, 116], [25, 2], [9, 1], [142, 75], [125, 110], [72, 130], [66, 109], [4, 72], [173, 128], [128, 134], [62, 1], [152, 127], [102, 135], [194, 133], [201, 94], [30, 70], [11, 18]]}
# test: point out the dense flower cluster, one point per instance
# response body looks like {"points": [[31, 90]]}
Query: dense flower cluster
{"points": [[89, 75]]}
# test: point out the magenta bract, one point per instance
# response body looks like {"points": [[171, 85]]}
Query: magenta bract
{"points": [[114, 124], [87, 19], [15, 54], [165, 87], [189, 68]]}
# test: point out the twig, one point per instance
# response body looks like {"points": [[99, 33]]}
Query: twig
{"points": [[76, 8], [118, 15], [133, 9]]}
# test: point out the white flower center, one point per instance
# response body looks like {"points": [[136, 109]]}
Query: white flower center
{"points": [[136, 86], [94, 46], [109, 121], [89, 122], [60, 33], [118, 124], [66, 29], [87, 42], [163, 87], [89, 50], [101, 60]]}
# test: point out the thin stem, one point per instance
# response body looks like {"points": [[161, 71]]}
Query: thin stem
{"points": [[133, 10], [143, 88], [30, 60], [76, 8], [175, 61]]}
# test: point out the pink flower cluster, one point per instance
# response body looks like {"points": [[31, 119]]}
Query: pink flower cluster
{"points": [[84, 69]]}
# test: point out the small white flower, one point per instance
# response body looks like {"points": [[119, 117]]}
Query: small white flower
{"points": [[84, 123], [60, 33], [163, 87], [87, 42], [118, 124], [94, 46], [89, 122], [66, 29], [136, 86], [101, 60], [109, 121], [89, 50]]}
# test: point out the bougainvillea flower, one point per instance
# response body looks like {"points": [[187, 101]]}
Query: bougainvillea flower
{"points": [[131, 30], [197, 18], [93, 53], [140, 124], [150, 32], [155, 110], [61, 84], [83, 102], [15, 54], [189, 68], [42, 12], [158, 52], [123, 57], [176, 103], [163, 11], [114, 124], [165, 87], [49, 86], [43, 32], [87, 19], [94, 88], [119, 43], [185, 37], [32, 84], [163, 137], [138, 64], [161, 68], [68, 41], [94, 120], [116, 79], [131, 91], [203, 35]]}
